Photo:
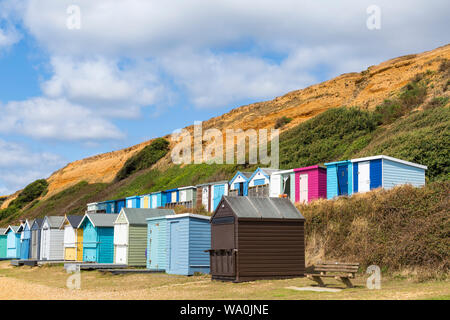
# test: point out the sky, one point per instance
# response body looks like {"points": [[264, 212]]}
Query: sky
{"points": [[83, 77]]}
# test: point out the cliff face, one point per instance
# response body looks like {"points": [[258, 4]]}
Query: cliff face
{"points": [[366, 89]]}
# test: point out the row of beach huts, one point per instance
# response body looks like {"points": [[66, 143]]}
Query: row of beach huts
{"points": [[255, 231]]}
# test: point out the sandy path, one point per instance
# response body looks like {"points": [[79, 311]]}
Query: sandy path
{"points": [[18, 289]]}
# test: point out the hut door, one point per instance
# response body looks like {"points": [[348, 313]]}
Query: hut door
{"points": [[219, 191], [174, 246], [364, 176], [303, 188], [342, 180], [205, 197]]}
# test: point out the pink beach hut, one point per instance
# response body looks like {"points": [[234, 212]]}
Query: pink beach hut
{"points": [[310, 183]]}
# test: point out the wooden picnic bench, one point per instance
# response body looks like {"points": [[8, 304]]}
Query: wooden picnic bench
{"points": [[337, 270]]}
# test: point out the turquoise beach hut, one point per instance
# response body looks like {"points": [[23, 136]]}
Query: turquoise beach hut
{"points": [[98, 237], [13, 242], [3, 241]]}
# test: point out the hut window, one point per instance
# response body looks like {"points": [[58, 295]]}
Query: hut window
{"points": [[223, 220]]}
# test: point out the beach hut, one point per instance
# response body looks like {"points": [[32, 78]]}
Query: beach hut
{"points": [[13, 241], [3, 241], [109, 206], [310, 183], [210, 194], [133, 202], [118, 205], [177, 243], [52, 238], [25, 238], [387, 172], [188, 237], [282, 184], [257, 238], [186, 197], [98, 237], [157, 248], [170, 197], [339, 178], [145, 201], [73, 238], [35, 245], [259, 182], [130, 235], [239, 184], [156, 200], [96, 207]]}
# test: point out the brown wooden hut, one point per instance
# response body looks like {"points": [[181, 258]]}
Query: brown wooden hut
{"points": [[257, 238]]}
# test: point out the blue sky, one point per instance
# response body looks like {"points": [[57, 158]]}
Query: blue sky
{"points": [[139, 69]]}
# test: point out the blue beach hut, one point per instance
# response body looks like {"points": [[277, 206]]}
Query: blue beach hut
{"points": [[133, 202], [98, 237], [239, 183], [386, 172], [13, 241], [339, 178], [25, 239], [156, 200], [177, 243], [3, 243]]}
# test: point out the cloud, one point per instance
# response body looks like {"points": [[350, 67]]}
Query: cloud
{"points": [[19, 166], [105, 85], [58, 119]]}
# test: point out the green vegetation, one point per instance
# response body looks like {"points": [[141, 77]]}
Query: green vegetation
{"points": [[281, 122], [145, 158], [397, 229], [326, 137], [31, 192]]}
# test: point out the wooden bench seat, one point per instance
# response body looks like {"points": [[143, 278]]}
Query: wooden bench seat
{"points": [[340, 271]]}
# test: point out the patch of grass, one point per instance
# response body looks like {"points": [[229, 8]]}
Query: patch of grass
{"points": [[281, 122], [326, 137], [145, 158]]}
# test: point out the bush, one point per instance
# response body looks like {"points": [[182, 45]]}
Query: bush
{"points": [[32, 191], [281, 122], [397, 229], [145, 158], [325, 137]]}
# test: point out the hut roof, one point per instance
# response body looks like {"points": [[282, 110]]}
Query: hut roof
{"points": [[2, 231], [38, 221], [138, 216], [100, 219], [14, 229], [263, 207], [74, 221], [54, 221]]}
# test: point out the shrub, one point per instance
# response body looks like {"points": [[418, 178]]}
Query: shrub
{"points": [[31, 192], [145, 158], [281, 122]]}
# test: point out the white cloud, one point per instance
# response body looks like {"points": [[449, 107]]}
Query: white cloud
{"points": [[57, 119], [19, 166]]}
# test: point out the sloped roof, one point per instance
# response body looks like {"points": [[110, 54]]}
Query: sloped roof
{"points": [[263, 207], [30, 223], [137, 216], [13, 228], [2, 231], [74, 221], [212, 183], [39, 222], [100, 219], [54, 221]]}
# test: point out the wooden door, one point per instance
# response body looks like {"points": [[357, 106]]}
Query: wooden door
{"points": [[80, 244], [303, 187], [364, 176]]}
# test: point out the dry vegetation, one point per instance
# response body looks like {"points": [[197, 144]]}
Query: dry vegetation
{"points": [[405, 230], [50, 283]]}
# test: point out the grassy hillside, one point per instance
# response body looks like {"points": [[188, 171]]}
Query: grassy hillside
{"points": [[405, 228]]}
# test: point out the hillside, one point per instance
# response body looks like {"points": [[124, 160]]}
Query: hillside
{"points": [[401, 109], [366, 89]]}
